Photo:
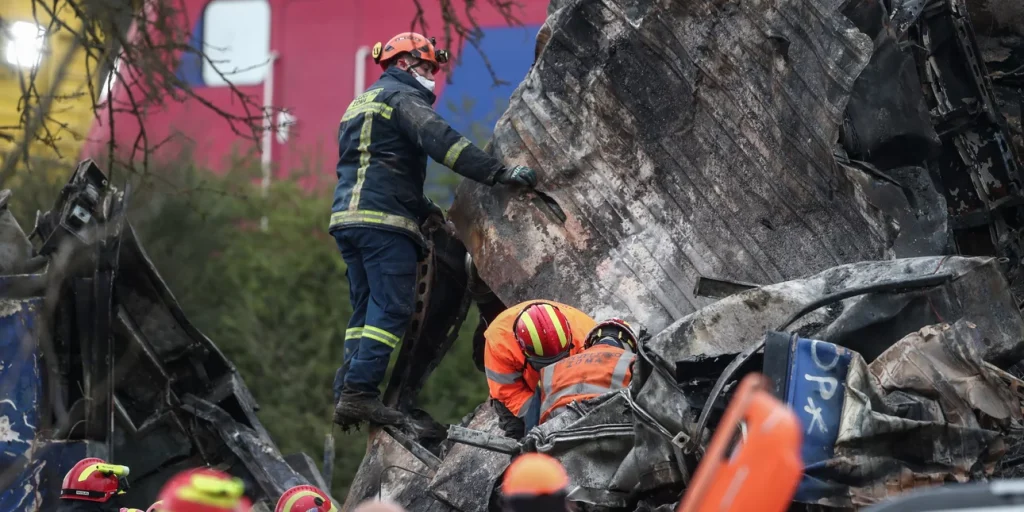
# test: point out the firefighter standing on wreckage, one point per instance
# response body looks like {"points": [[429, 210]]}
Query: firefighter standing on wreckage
{"points": [[385, 137]]}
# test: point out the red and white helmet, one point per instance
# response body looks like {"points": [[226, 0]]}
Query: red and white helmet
{"points": [[92, 479], [203, 490], [543, 333], [305, 498], [616, 328]]}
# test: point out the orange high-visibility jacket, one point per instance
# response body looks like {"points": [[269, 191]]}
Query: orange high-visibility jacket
{"points": [[509, 379], [591, 373]]}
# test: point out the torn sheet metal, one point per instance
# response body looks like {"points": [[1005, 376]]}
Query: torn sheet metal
{"points": [[905, 13], [465, 480], [886, 120], [868, 324], [910, 197], [261, 457], [390, 472], [927, 411], [667, 380], [594, 440], [730, 176]]}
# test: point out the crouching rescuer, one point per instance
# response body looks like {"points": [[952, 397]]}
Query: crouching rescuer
{"points": [[385, 137], [519, 342], [604, 365]]}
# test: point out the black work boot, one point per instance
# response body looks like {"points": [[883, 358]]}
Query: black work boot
{"points": [[355, 407]]}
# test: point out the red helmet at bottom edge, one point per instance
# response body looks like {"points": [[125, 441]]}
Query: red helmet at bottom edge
{"points": [[92, 479], [305, 498], [203, 490]]}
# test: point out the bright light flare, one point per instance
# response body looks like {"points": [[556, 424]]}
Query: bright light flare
{"points": [[25, 42]]}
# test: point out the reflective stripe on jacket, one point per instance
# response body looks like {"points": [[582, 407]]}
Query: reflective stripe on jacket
{"points": [[591, 373], [509, 379], [384, 140]]}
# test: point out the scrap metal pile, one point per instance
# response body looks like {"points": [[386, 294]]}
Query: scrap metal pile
{"points": [[98, 360], [824, 191]]}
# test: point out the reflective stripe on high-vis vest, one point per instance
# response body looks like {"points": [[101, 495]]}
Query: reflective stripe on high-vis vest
{"points": [[452, 155], [503, 378], [370, 217], [365, 105], [592, 373]]}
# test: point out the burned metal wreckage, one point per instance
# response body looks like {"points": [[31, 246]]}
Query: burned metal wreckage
{"points": [[858, 154], [85, 308], [848, 155]]}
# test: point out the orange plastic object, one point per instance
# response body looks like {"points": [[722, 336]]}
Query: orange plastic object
{"points": [[764, 470]]}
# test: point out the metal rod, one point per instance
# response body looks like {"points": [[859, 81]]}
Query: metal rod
{"points": [[267, 143]]}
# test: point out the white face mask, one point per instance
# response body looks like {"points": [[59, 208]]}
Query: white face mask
{"points": [[429, 84], [425, 82]]}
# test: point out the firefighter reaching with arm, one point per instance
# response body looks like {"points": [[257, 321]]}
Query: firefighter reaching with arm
{"points": [[385, 137]]}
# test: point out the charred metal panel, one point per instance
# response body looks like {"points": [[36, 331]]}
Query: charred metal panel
{"points": [[977, 164], [391, 472], [441, 306], [868, 324], [886, 122], [682, 139], [910, 196], [466, 478]]}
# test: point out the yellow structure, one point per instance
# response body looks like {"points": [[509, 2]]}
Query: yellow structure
{"points": [[34, 49]]}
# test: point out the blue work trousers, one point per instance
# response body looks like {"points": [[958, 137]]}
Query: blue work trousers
{"points": [[382, 288]]}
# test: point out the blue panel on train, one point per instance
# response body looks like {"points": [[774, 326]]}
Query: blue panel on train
{"points": [[814, 386], [21, 391]]}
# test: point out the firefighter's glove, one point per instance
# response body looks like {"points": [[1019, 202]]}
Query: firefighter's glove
{"points": [[518, 175]]}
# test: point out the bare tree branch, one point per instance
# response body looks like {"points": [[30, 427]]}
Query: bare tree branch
{"points": [[139, 46]]}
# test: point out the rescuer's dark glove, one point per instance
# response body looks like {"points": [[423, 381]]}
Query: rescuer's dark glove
{"points": [[518, 175], [512, 426]]}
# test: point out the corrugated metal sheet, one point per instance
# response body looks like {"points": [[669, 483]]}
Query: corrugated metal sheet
{"points": [[682, 139]]}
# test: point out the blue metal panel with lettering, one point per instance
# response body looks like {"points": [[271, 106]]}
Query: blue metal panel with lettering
{"points": [[815, 388]]}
